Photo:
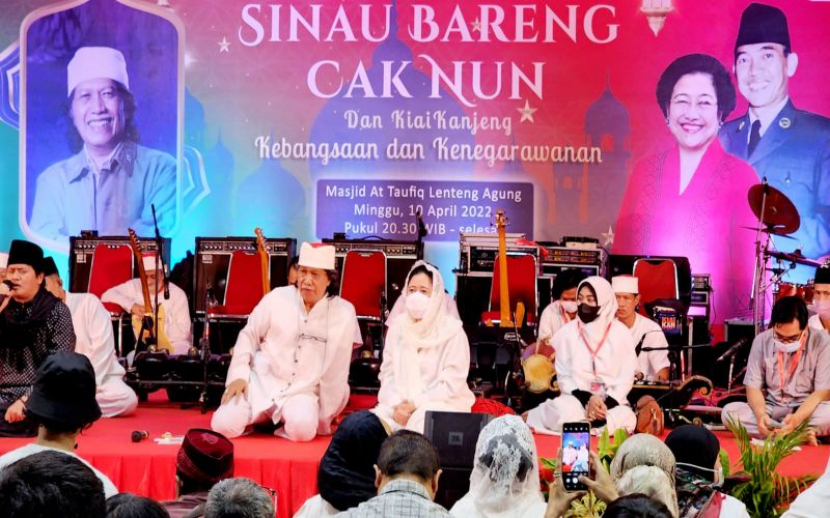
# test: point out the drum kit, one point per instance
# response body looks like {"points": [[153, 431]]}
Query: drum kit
{"points": [[777, 216]]}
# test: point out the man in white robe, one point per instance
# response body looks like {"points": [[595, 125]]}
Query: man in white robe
{"points": [[291, 361], [93, 330], [651, 365], [177, 323], [595, 364]]}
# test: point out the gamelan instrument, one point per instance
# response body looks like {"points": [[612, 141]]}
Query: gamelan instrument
{"points": [[150, 328], [674, 395], [539, 371]]}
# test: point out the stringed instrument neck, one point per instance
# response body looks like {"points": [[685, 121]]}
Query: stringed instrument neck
{"points": [[506, 319], [142, 272], [262, 251]]}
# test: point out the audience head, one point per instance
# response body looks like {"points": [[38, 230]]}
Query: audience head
{"points": [[408, 455], [205, 458], [696, 449], [239, 498], [506, 469], [650, 481], [636, 506], [50, 483], [647, 451], [346, 477], [128, 505], [63, 394]]}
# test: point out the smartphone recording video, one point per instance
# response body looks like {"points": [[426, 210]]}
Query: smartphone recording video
{"points": [[576, 443]]}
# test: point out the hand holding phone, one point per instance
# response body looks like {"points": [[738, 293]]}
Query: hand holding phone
{"points": [[576, 458]]}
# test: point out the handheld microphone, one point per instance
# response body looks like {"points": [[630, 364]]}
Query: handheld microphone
{"points": [[139, 435], [732, 351], [10, 286]]}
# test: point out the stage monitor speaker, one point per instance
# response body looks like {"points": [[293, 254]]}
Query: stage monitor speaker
{"points": [[213, 257], [454, 435], [81, 250]]}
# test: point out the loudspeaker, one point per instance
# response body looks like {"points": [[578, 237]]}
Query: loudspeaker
{"points": [[454, 435], [213, 257], [82, 249]]}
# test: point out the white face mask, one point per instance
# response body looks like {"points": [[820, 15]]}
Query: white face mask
{"points": [[787, 348], [569, 306], [822, 307], [417, 304]]}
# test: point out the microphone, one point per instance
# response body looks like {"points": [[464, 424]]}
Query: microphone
{"points": [[732, 351], [139, 435], [8, 284], [422, 228]]}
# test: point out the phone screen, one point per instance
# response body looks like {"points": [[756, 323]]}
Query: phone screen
{"points": [[576, 444]]}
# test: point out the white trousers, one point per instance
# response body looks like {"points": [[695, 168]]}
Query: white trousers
{"points": [[115, 398], [299, 414], [551, 414], [819, 421]]}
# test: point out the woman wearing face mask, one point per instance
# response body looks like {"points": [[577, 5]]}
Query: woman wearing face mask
{"points": [[595, 365], [426, 358]]}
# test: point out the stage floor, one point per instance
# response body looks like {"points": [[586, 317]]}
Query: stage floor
{"points": [[148, 468]]}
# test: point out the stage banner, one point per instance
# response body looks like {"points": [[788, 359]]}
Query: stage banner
{"points": [[642, 123]]}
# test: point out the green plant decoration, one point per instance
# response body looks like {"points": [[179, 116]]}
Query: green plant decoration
{"points": [[767, 493]]}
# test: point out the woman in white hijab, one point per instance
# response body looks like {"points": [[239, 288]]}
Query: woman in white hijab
{"points": [[595, 365], [426, 358], [505, 478]]}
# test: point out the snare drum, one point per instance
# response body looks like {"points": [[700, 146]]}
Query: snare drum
{"points": [[802, 291]]}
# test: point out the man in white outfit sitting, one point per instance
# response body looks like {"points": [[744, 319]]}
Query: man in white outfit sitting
{"points": [[291, 361]]}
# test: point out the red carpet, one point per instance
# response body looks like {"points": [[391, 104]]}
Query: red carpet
{"points": [[148, 469]]}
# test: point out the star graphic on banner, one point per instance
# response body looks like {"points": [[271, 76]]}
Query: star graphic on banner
{"points": [[224, 45], [608, 237], [527, 112], [476, 25]]}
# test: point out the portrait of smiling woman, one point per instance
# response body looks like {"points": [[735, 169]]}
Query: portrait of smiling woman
{"points": [[691, 199]]}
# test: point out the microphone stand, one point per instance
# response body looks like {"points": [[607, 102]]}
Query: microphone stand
{"points": [[204, 347], [422, 233]]}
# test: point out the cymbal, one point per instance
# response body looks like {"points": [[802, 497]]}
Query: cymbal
{"points": [[779, 212], [794, 257], [772, 231]]}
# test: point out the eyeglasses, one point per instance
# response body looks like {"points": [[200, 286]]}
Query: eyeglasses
{"points": [[788, 339], [312, 338], [273, 493]]}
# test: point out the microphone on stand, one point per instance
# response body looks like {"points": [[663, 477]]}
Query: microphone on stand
{"points": [[732, 351], [159, 255]]}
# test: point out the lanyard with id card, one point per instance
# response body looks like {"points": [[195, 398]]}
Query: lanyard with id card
{"points": [[597, 384]]}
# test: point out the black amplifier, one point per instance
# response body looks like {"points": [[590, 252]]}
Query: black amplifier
{"points": [[213, 257], [479, 251], [588, 259], [81, 250], [400, 256]]}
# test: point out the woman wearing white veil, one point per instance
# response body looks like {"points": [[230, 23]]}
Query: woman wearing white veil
{"points": [[426, 358], [505, 477], [595, 365]]}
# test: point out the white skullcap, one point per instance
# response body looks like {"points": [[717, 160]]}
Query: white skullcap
{"points": [[4, 259], [625, 284], [317, 255], [149, 261], [94, 63]]}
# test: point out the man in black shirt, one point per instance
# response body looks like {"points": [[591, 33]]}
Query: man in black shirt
{"points": [[33, 325]]}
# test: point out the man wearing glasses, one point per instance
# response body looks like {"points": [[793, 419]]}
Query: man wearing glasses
{"points": [[290, 364], [787, 377], [821, 300]]}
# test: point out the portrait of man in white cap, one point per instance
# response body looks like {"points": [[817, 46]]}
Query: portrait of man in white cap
{"points": [[111, 182], [290, 364]]}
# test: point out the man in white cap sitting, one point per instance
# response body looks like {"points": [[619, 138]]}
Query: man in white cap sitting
{"points": [[93, 331], [177, 324], [651, 365], [291, 361], [110, 183]]}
